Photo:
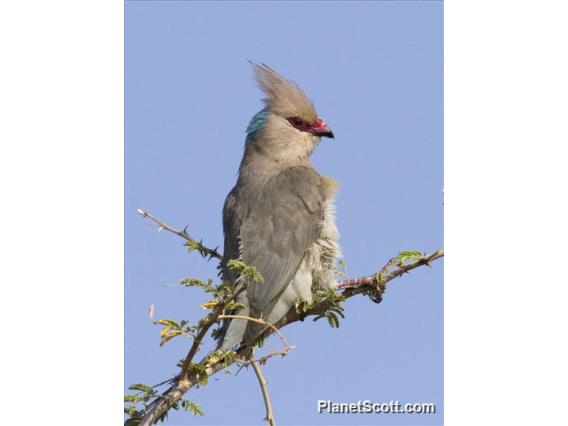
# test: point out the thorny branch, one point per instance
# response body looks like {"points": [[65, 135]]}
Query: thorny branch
{"points": [[265, 395], [255, 362], [377, 282], [185, 380], [190, 242], [372, 285]]}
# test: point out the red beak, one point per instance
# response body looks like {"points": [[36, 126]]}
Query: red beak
{"points": [[320, 128]]}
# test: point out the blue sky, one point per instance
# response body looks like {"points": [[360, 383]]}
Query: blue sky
{"points": [[374, 71]]}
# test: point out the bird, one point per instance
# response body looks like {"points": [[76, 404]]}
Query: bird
{"points": [[280, 215]]}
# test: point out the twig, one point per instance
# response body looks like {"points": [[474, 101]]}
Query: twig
{"points": [[262, 360], [191, 243], [262, 382], [386, 277], [355, 286]]}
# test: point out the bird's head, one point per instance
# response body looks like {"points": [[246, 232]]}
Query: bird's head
{"points": [[289, 125]]}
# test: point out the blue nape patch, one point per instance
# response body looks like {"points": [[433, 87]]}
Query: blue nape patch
{"points": [[255, 125]]}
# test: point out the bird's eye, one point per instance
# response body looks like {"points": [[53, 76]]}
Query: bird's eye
{"points": [[296, 121]]}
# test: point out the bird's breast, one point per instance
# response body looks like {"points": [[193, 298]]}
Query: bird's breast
{"points": [[325, 250], [329, 187]]}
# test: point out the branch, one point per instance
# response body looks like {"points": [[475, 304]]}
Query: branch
{"points": [[185, 380], [182, 383], [356, 286], [190, 242], [262, 360], [262, 382], [402, 269], [372, 285], [255, 362]]}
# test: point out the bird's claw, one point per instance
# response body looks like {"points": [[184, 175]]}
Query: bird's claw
{"points": [[376, 291]]}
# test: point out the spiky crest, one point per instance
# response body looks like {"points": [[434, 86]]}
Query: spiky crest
{"points": [[283, 97]]}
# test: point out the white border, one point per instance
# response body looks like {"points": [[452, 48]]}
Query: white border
{"points": [[61, 172], [506, 292], [61, 175]]}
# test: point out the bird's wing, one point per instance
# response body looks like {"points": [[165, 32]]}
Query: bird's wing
{"points": [[281, 225], [231, 228]]}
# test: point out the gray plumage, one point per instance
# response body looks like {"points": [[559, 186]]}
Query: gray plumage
{"points": [[279, 217]]}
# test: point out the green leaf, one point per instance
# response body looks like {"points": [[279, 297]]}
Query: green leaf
{"points": [[216, 332], [173, 328], [404, 256], [302, 306], [192, 407], [131, 398], [199, 372], [168, 322], [211, 304], [234, 306], [196, 282], [141, 387], [131, 410], [132, 421], [260, 341], [169, 336], [244, 270], [192, 282], [333, 306], [218, 356], [333, 320]]}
